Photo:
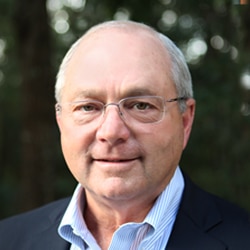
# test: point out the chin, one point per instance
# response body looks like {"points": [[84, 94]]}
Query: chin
{"points": [[118, 189]]}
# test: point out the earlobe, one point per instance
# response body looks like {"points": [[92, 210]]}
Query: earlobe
{"points": [[58, 120], [188, 118]]}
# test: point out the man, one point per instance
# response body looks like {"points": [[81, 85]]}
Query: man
{"points": [[125, 109]]}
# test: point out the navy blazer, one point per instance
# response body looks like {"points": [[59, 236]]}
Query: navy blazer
{"points": [[203, 222]]}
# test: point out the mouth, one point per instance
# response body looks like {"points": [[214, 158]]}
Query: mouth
{"points": [[116, 166], [116, 160]]}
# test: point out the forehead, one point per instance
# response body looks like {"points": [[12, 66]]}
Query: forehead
{"points": [[127, 41], [114, 59]]}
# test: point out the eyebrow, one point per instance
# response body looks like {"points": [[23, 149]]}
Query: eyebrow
{"points": [[92, 94], [96, 94], [138, 91]]}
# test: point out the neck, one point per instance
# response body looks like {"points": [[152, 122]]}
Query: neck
{"points": [[104, 218]]}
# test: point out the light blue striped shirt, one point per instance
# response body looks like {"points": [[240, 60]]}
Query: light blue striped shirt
{"points": [[153, 233]]}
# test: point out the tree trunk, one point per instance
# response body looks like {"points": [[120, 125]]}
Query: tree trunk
{"points": [[38, 127]]}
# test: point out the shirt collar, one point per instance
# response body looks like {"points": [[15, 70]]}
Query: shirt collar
{"points": [[161, 214], [167, 203]]}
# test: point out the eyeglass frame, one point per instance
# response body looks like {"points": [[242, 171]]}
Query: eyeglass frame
{"points": [[58, 106]]}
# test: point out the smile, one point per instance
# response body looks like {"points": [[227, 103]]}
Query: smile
{"points": [[116, 160]]}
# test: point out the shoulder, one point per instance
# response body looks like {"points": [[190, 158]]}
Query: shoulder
{"points": [[234, 223], [20, 229], [213, 218], [51, 211], [213, 204]]}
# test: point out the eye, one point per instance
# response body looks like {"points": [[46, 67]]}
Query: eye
{"points": [[142, 105], [87, 106]]}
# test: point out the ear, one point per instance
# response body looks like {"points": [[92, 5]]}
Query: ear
{"points": [[188, 118], [58, 118]]}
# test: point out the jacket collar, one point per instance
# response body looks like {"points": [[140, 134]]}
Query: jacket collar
{"points": [[48, 237], [197, 214]]}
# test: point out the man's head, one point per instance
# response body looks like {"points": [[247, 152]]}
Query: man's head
{"points": [[127, 152], [179, 70]]}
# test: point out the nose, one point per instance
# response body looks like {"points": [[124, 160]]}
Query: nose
{"points": [[112, 128]]}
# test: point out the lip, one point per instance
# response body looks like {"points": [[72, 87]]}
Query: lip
{"points": [[116, 160], [116, 163]]}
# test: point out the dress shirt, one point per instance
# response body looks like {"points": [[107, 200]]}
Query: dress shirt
{"points": [[152, 233]]}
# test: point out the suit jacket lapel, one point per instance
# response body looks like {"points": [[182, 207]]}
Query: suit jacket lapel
{"points": [[49, 240], [197, 214], [48, 237]]}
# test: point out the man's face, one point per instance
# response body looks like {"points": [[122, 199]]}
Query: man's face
{"points": [[112, 159]]}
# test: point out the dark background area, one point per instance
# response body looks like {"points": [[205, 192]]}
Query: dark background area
{"points": [[214, 35]]}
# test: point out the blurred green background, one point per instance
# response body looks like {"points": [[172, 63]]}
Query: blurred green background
{"points": [[214, 36]]}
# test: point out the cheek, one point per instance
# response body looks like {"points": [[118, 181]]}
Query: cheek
{"points": [[71, 133], [75, 141], [164, 143]]}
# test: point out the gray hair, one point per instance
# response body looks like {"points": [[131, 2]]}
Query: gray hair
{"points": [[179, 70]]}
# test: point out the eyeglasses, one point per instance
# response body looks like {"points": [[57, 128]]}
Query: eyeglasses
{"points": [[143, 109]]}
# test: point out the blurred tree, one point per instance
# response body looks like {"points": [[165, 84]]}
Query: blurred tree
{"points": [[9, 111], [31, 25]]}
